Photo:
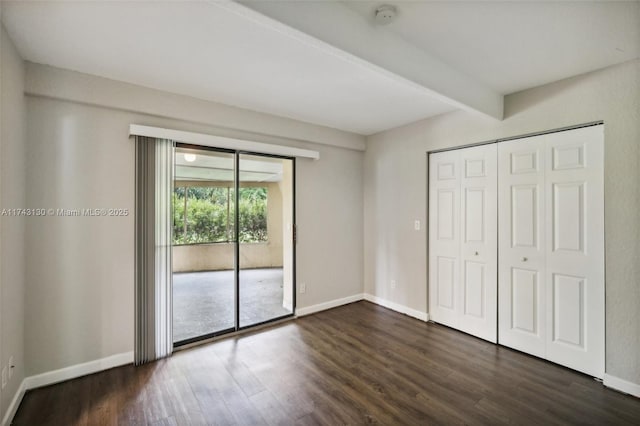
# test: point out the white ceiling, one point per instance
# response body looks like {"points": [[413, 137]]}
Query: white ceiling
{"points": [[327, 63]]}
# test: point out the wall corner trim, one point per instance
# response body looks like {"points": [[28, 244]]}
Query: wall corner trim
{"points": [[62, 374], [78, 370], [15, 403], [422, 316], [308, 310], [621, 385]]}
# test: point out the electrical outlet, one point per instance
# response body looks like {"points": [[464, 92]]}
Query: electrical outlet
{"points": [[393, 284], [303, 288], [416, 225], [4, 376], [11, 366]]}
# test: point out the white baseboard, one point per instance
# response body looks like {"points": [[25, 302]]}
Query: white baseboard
{"points": [[621, 385], [300, 312], [67, 373], [15, 403], [422, 316], [117, 360], [78, 370]]}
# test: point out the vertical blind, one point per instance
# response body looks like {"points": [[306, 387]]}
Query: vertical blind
{"points": [[154, 184]]}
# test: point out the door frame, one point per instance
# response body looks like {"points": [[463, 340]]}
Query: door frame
{"points": [[236, 268]]}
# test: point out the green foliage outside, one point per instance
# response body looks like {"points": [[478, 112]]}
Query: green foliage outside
{"points": [[209, 219]]}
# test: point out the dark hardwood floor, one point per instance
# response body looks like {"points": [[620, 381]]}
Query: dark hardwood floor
{"points": [[357, 364]]}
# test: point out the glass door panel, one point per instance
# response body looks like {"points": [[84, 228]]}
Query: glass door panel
{"points": [[204, 284], [265, 218]]}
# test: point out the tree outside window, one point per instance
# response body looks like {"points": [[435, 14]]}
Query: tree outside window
{"points": [[205, 215]]}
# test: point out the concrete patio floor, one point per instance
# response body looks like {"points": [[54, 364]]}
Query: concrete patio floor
{"points": [[203, 302]]}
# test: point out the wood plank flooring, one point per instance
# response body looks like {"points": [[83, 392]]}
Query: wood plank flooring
{"points": [[357, 364]]}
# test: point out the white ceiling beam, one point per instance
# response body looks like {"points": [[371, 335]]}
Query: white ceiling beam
{"points": [[335, 28]]}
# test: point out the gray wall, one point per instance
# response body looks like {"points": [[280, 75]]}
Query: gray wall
{"points": [[80, 270], [396, 191], [12, 195]]}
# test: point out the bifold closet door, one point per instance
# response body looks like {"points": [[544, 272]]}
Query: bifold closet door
{"points": [[463, 240], [551, 256], [521, 261]]}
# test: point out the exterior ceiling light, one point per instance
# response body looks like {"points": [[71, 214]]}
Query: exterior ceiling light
{"points": [[189, 158]]}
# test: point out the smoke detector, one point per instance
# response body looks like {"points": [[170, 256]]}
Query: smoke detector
{"points": [[385, 14]]}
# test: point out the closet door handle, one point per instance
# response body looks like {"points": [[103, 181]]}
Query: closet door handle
{"points": [[524, 259]]}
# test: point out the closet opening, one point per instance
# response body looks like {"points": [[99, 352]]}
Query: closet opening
{"points": [[516, 244]]}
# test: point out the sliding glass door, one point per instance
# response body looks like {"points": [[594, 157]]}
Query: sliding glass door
{"points": [[203, 243], [233, 251], [266, 238]]}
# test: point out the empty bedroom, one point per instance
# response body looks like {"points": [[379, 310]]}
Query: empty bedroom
{"points": [[319, 212]]}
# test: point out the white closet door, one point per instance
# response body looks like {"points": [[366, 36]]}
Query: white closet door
{"points": [[575, 249], [551, 248], [462, 240], [479, 242], [521, 256], [444, 237]]}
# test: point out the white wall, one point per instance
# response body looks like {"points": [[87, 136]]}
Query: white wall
{"points": [[80, 288], [396, 191], [12, 195], [225, 120], [329, 256]]}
